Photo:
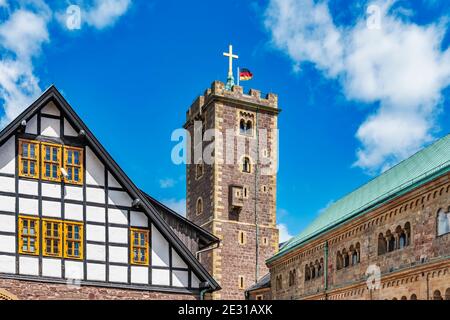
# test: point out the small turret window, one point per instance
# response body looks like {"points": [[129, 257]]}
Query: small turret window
{"points": [[246, 165]]}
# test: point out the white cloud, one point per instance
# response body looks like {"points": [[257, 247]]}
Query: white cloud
{"points": [[104, 13], [22, 36], [23, 33], [176, 205], [284, 232], [399, 66], [167, 183]]}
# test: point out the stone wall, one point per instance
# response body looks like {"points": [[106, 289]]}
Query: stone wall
{"points": [[222, 110], [32, 290], [423, 248]]}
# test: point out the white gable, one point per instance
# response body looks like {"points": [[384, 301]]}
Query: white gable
{"points": [[7, 157], [50, 109], [69, 130], [32, 126]]}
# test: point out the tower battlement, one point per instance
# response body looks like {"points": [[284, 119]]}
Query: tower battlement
{"points": [[218, 91]]}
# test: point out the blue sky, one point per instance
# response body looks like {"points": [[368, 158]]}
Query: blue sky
{"points": [[355, 99]]}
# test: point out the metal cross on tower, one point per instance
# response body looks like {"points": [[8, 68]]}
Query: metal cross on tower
{"points": [[231, 56]]}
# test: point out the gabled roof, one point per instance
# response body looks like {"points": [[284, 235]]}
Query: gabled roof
{"points": [[427, 164], [262, 283], [206, 237], [52, 94]]}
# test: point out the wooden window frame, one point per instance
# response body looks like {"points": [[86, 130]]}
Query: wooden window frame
{"points": [[52, 238], [28, 159], [68, 239], [44, 162], [72, 165], [146, 246], [36, 235]]}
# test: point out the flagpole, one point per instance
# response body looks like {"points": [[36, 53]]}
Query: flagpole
{"points": [[238, 76]]}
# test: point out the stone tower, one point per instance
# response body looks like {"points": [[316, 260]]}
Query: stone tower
{"points": [[234, 196]]}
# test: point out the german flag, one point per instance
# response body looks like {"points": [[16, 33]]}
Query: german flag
{"points": [[245, 74]]}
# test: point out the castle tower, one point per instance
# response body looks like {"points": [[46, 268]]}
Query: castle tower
{"points": [[235, 196]]}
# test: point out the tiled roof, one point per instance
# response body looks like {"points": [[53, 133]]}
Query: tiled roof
{"points": [[421, 167]]}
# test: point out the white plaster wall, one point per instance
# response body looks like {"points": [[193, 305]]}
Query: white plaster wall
{"points": [[118, 254], [160, 249], [73, 212], [117, 216], [69, 130], [118, 274], [28, 187], [118, 235], [95, 171], [51, 190], [160, 277], [139, 274], [7, 244], [195, 283], [32, 126], [73, 193], [7, 156], [180, 278], [7, 184], [95, 195], [7, 204], [138, 219], [51, 109], [74, 269], [95, 233], [96, 272], [112, 182], [7, 223], [51, 267], [50, 127], [95, 252], [29, 265], [119, 198], [7, 264], [95, 214], [177, 262], [28, 206], [51, 209]]}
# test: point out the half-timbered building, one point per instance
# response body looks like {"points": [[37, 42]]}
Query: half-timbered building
{"points": [[74, 226]]}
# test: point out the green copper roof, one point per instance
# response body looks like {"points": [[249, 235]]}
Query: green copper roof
{"points": [[426, 164]]}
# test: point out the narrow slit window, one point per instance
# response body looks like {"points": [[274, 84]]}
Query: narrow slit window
{"points": [[52, 238], [73, 164], [29, 235], [73, 240], [51, 162], [139, 246], [28, 159]]}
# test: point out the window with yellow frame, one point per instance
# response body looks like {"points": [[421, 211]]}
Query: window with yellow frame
{"points": [[28, 235], [139, 246], [28, 158], [73, 164], [52, 238], [73, 240], [51, 161]]}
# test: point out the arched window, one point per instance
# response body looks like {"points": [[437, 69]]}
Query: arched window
{"points": [[346, 258], [447, 294], [318, 268], [413, 297], [199, 206], [313, 270], [394, 298], [437, 295], [249, 130], [292, 277], [339, 261], [408, 233], [242, 126], [321, 267], [390, 241], [402, 240], [404, 298], [307, 273], [443, 222], [382, 244], [246, 165], [199, 170]]}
